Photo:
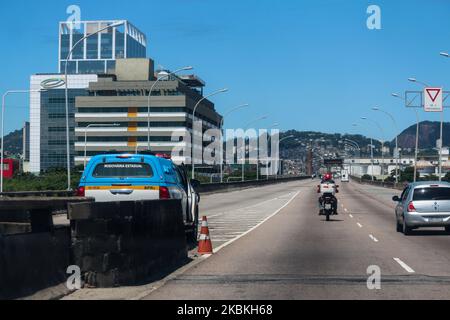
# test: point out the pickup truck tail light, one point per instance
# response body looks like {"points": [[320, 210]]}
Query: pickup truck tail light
{"points": [[164, 193], [81, 192], [411, 207]]}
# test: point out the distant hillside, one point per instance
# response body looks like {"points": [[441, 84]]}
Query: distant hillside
{"points": [[14, 143], [428, 135]]}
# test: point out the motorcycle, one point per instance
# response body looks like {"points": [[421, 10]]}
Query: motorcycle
{"points": [[328, 202], [328, 205]]}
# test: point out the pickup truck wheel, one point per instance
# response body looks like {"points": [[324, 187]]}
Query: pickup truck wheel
{"points": [[399, 227], [192, 236]]}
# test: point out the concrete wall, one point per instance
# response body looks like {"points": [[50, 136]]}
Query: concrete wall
{"points": [[125, 243]]}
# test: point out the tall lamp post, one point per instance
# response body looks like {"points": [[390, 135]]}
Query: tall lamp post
{"points": [[382, 143], [441, 128], [193, 121], [275, 125], [416, 152], [161, 76], [257, 164], [113, 25], [94, 125], [397, 153], [242, 106], [7, 93], [371, 152]]}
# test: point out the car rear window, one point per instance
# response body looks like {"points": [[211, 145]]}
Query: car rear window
{"points": [[424, 194], [123, 170]]}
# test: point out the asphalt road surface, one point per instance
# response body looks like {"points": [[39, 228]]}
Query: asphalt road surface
{"points": [[290, 252]]}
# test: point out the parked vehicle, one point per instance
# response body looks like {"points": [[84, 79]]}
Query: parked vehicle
{"points": [[423, 204], [134, 177], [345, 177]]}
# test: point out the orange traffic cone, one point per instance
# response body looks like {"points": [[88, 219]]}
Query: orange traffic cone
{"points": [[205, 244]]}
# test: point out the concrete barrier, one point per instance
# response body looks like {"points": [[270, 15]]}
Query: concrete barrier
{"points": [[34, 254], [382, 184], [125, 243], [32, 262], [226, 187]]}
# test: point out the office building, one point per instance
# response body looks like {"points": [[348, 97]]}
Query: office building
{"points": [[48, 120], [97, 54], [114, 113]]}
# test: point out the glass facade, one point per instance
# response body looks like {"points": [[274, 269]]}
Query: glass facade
{"points": [[97, 53], [53, 127]]}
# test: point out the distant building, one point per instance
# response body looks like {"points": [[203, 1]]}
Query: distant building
{"points": [[97, 54], [26, 141], [10, 167]]}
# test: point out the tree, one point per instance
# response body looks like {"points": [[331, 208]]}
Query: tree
{"points": [[407, 175]]}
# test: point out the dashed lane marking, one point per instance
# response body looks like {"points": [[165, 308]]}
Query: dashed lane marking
{"points": [[404, 265]]}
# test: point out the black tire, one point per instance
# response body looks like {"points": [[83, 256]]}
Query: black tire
{"points": [[406, 229], [447, 229], [192, 237], [399, 227], [328, 216]]}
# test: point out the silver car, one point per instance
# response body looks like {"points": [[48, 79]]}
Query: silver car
{"points": [[423, 204]]}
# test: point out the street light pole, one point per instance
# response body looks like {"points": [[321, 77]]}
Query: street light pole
{"points": [[371, 154], [92, 125], [69, 187], [193, 121], [242, 106], [257, 164], [416, 152], [382, 144], [164, 76], [397, 153]]}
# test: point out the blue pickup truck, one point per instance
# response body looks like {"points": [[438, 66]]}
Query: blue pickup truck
{"points": [[134, 177]]}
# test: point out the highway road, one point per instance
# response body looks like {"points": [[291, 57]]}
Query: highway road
{"points": [[295, 254]]}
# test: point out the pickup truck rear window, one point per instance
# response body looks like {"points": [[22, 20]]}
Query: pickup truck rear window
{"points": [[430, 194], [123, 170]]}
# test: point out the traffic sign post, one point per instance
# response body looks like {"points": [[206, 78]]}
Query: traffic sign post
{"points": [[433, 100]]}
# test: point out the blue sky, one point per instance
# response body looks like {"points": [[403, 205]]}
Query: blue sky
{"points": [[309, 65]]}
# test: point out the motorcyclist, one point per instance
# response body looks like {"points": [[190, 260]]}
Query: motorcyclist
{"points": [[329, 187]]}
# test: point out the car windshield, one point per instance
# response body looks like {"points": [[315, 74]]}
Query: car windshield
{"points": [[431, 193], [123, 170]]}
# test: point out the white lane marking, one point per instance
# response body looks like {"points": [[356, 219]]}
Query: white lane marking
{"points": [[373, 238], [404, 265], [359, 225], [346, 210], [258, 225], [351, 216], [243, 209]]}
